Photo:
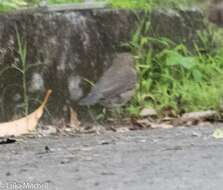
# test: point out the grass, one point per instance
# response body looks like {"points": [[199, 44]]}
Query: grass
{"points": [[63, 1], [7, 5], [23, 69], [174, 78], [149, 4]]}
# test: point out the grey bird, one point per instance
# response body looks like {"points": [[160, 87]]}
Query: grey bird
{"points": [[116, 86]]}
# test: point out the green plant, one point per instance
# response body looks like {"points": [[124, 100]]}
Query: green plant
{"points": [[64, 1], [23, 69], [149, 4], [171, 76], [7, 5]]}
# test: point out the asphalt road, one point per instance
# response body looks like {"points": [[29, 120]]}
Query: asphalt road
{"points": [[160, 159]]}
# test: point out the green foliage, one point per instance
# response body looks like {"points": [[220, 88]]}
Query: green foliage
{"points": [[63, 1], [172, 77], [131, 4], [148, 4], [23, 69], [6, 5]]}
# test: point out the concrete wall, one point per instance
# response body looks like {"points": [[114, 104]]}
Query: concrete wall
{"points": [[65, 48]]}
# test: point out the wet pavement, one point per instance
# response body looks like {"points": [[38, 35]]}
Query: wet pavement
{"points": [[156, 159]]}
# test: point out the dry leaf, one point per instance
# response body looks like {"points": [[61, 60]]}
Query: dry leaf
{"points": [[74, 122], [161, 125], [148, 112], [218, 134], [26, 124], [199, 116], [122, 129], [143, 123], [168, 119]]}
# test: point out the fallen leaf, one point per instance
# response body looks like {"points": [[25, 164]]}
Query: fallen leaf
{"points": [[168, 119], [199, 116], [88, 129], [143, 123], [161, 125], [148, 112], [218, 134], [26, 124], [74, 122], [122, 130]]}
